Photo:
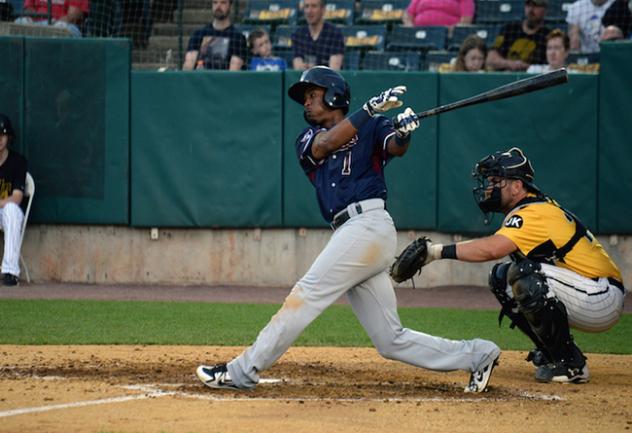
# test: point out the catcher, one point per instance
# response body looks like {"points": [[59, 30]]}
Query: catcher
{"points": [[559, 275]]}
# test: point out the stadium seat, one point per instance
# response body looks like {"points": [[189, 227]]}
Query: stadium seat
{"points": [[364, 37], [245, 29], [436, 58], [352, 60], [582, 58], [271, 12], [381, 11], [282, 37], [336, 11], [392, 61], [486, 32], [557, 10], [498, 11], [417, 38]]}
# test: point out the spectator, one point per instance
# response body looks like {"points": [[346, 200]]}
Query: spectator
{"points": [[611, 33], [65, 14], [217, 45], [619, 14], [521, 43], [261, 48], [12, 179], [318, 42], [438, 13], [584, 24], [557, 47], [472, 55]]}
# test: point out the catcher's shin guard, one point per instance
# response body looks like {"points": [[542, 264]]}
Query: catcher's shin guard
{"points": [[509, 307], [545, 314]]}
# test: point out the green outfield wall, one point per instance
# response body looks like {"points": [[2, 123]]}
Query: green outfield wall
{"points": [[216, 149]]}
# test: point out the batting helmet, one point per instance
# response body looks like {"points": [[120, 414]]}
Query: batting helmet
{"points": [[5, 125], [337, 95], [511, 164]]}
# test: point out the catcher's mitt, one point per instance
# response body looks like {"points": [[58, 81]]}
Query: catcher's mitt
{"points": [[411, 260]]}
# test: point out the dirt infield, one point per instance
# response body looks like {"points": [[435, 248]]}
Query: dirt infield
{"points": [[153, 389], [133, 389]]}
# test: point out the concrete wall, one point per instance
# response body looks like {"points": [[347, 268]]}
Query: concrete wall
{"points": [[253, 257]]}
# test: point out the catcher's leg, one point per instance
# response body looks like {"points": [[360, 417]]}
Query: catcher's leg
{"points": [[375, 305], [544, 312], [503, 292]]}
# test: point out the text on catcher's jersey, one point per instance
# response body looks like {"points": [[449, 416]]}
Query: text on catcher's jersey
{"points": [[537, 228]]}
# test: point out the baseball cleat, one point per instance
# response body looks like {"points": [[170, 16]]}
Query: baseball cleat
{"points": [[215, 376], [480, 378], [562, 373]]}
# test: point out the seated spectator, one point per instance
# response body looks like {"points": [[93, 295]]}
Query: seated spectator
{"points": [[557, 47], [218, 45], [521, 43], [438, 13], [611, 33], [472, 55], [261, 48], [13, 179], [619, 14], [66, 14], [318, 42], [584, 24]]}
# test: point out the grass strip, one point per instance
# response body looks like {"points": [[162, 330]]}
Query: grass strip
{"points": [[193, 323]]}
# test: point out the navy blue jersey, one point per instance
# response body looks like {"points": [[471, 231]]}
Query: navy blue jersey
{"points": [[317, 52], [354, 172], [216, 47]]}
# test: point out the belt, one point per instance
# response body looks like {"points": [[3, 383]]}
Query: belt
{"points": [[356, 209], [617, 283], [614, 282]]}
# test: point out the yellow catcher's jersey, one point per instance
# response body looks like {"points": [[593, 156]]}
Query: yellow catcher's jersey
{"points": [[538, 228]]}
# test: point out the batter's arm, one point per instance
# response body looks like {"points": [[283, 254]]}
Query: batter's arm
{"points": [[484, 249], [327, 142]]}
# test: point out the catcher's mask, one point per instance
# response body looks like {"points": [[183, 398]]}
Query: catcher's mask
{"points": [[337, 91], [500, 166]]}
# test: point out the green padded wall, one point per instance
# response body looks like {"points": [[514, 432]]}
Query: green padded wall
{"points": [[411, 180], [206, 149], [76, 123], [556, 127], [11, 84], [615, 151]]}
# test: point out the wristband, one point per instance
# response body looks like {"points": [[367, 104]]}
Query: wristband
{"points": [[402, 139], [449, 252], [358, 118]]}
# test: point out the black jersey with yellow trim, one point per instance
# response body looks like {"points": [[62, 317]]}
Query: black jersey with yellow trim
{"points": [[540, 228]]}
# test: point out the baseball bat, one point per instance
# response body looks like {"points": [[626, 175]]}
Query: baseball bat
{"points": [[521, 87]]}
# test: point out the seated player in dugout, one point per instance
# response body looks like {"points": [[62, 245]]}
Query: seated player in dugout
{"points": [[559, 275]]}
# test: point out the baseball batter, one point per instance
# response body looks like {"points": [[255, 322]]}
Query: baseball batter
{"points": [[559, 277], [12, 180], [344, 158]]}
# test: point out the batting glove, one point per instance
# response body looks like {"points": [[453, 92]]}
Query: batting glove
{"points": [[385, 101], [406, 122]]}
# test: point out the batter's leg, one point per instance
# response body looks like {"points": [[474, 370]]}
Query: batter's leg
{"points": [[361, 248], [375, 305]]}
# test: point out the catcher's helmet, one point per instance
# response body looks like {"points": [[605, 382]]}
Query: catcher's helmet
{"points": [[337, 95], [5, 125], [511, 164]]}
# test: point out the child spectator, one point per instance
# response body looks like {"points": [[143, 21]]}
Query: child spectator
{"points": [[557, 47], [472, 55], [261, 49]]}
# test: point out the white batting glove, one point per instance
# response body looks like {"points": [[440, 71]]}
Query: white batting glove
{"points": [[385, 101], [406, 122]]}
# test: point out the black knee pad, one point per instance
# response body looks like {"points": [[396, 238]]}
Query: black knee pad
{"points": [[529, 286]]}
